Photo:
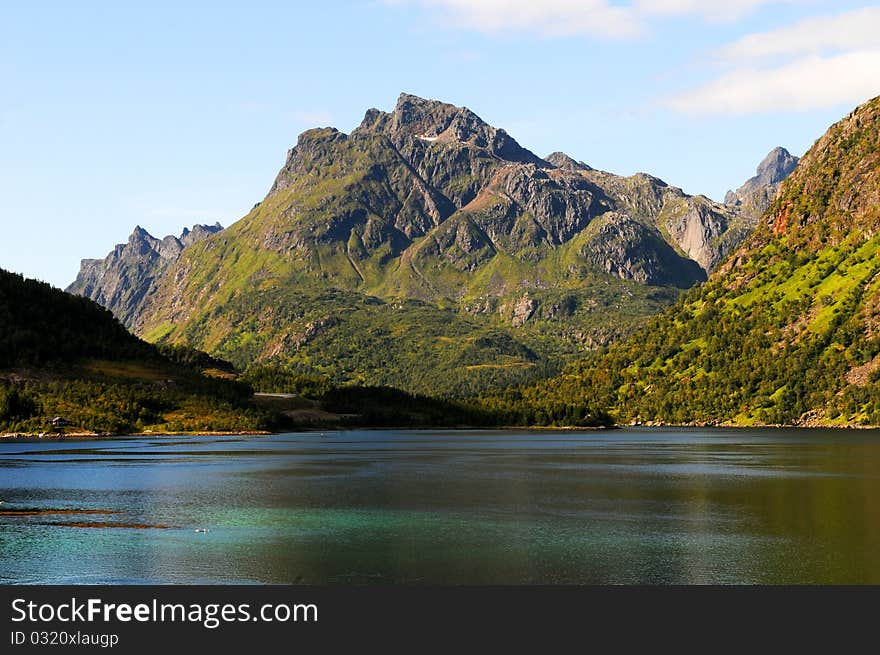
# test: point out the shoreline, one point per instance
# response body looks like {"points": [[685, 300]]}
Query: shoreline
{"points": [[93, 436], [758, 426], [87, 436]]}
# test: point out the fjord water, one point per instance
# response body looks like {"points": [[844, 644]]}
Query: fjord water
{"points": [[623, 506]]}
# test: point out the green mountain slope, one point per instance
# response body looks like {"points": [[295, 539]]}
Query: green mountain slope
{"points": [[64, 356], [454, 258], [786, 331]]}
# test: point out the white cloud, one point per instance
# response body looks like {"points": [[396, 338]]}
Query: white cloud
{"points": [[853, 30], [595, 18], [710, 10], [816, 63], [812, 82]]}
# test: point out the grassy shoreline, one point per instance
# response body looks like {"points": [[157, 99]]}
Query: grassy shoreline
{"points": [[86, 436], [83, 436]]}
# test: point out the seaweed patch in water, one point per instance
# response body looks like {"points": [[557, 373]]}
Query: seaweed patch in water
{"points": [[50, 512], [127, 526]]}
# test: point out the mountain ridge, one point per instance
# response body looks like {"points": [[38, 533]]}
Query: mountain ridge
{"points": [[124, 279], [786, 331], [430, 204]]}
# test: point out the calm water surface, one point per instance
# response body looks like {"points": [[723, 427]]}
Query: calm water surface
{"points": [[624, 506]]}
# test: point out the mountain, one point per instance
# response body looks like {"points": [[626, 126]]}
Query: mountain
{"points": [[756, 194], [787, 330], [431, 251], [123, 281], [65, 356]]}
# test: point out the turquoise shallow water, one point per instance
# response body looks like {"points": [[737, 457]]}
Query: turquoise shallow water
{"points": [[450, 507]]}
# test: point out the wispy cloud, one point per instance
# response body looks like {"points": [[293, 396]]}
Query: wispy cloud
{"points": [[713, 11], [816, 63], [853, 30], [809, 83], [592, 18]]}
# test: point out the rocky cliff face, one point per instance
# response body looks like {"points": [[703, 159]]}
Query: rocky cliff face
{"points": [[631, 250], [123, 281], [754, 197]]}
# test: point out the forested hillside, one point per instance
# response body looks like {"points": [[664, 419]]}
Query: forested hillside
{"points": [[787, 331], [66, 357]]}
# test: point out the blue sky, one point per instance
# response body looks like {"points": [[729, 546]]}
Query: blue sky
{"points": [[171, 113]]}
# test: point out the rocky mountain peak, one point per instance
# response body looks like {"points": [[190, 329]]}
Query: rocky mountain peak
{"points": [[565, 162], [197, 233], [430, 121], [772, 170], [776, 166], [752, 200], [140, 242], [139, 234], [425, 118]]}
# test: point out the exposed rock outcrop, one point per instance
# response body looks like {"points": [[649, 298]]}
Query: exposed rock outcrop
{"points": [[632, 250], [754, 197], [123, 281]]}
